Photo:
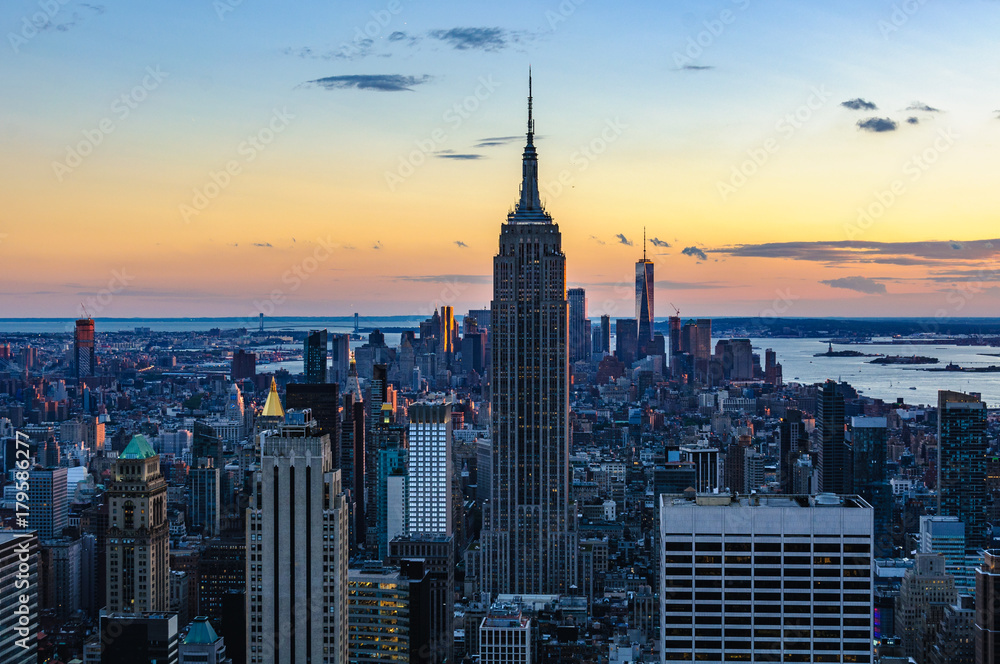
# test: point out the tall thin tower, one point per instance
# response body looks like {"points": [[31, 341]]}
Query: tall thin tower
{"points": [[644, 299], [530, 538]]}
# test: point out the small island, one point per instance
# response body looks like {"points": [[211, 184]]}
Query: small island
{"points": [[904, 359], [954, 367], [843, 353]]}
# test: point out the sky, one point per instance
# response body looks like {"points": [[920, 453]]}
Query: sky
{"points": [[225, 157]]}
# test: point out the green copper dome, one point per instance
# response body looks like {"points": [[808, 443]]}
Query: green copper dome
{"points": [[201, 632], [138, 448]]}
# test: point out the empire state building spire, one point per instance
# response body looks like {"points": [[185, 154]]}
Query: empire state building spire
{"points": [[529, 208]]}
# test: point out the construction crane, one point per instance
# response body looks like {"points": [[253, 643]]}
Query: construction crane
{"points": [[676, 310]]}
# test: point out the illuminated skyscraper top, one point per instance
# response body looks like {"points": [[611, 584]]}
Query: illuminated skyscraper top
{"points": [[529, 208]]}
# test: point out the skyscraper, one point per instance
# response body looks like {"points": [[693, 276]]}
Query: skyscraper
{"points": [[19, 597], [314, 357], [297, 551], [627, 341], [138, 533], [579, 325], [324, 402], [47, 494], [529, 529], [644, 299], [987, 631], [834, 464], [868, 437], [83, 348], [430, 497], [605, 334], [793, 441], [340, 359], [735, 570], [244, 365], [961, 464]]}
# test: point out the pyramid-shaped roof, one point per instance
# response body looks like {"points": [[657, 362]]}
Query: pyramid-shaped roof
{"points": [[201, 632], [272, 407], [138, 448]]}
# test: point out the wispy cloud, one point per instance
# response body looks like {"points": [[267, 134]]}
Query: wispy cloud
{"points": [[497, 141], [877, 125], [859, 104], [480, 39], [859, 284], [912, 120], [920, 106], [657, 242], [377, 245], [597, 239], [447, 278], [263, 244], [461, 245], [451, 154], [379, 82], [624, 240], [840, 252], [694, 252], [696, 68]]}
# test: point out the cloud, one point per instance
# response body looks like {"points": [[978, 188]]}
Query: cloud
{"points": [[597, 239], [397, 36], [496, 141], [859, 104], [263, 244], [451, 154], [859, 284], [377, 245], [461, 245], [380, 82], [447, 278], [657, 242], [920, 106], [624, 240], [912, 120], [696, 68], [480, 39], [839, 252], [877, 125], [695, 252]]}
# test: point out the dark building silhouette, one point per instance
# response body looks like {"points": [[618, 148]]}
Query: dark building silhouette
{"points": [[961, 464], [793, 442], [244, 366], [579, 325], [835, 465], [315, 357], [627, 340], [868, 437], [644, 310], [324, 402], [437, 551]]}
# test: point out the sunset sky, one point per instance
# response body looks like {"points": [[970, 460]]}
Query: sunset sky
{"points": [[373, 150]]}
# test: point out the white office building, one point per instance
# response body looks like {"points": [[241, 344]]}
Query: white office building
{"points": [[430, 472], [765, 578], [505, 636]]}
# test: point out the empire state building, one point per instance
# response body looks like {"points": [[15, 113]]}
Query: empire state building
{"points": [[529, 542]]}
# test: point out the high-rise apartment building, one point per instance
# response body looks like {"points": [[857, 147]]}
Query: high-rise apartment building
{"points": [[204, 481], [437, 551], [138, 556], [867, 438], [429, 502], [604, 334], [961, 464], [926, 590], [505, 636], [765, 578], [314, 357], [946, 535], [627, 340], [834, 463], [579, 325], [49, 503], [340, 359], [243, 366], [987, 628], [84, 357], [297, 551], [529, 526], [19, 597]]}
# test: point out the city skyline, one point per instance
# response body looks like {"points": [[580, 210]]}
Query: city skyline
{"points": [[321, 125]]}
